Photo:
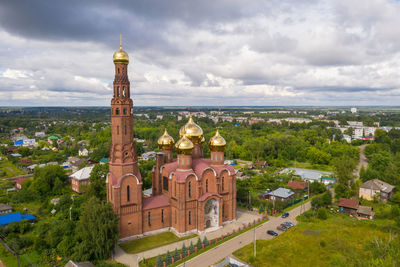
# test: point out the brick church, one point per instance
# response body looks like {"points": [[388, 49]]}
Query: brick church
{"points": [[189, 193]]}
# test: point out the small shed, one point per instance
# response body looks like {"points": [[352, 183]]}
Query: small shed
{"points": [[349, 206]]}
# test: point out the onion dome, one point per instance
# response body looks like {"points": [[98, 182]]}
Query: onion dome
{"points": [[184, 145], [192, 131], [166, 141], [217, 142], [203, 140], [121, 56]]}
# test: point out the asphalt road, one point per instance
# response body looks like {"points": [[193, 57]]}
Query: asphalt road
{"points": [[226, 249]]}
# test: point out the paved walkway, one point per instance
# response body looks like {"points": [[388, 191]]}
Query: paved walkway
{"points": [[243, 217], [226, 249], [220, 252]]}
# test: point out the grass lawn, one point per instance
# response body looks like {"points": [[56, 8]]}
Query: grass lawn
{"points": [[10, 260], [307, 165], [338, 241], [150, 242], [10, 169]]}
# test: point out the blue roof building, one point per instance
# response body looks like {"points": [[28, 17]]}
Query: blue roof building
{"points": [[15, 217]]}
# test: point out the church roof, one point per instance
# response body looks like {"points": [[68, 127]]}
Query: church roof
{"points": [[155, 202], [198, 167]]}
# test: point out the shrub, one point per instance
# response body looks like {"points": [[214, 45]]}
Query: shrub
{"points": [[176, 255], [168, 258], [205, 241], [322, 214], [159, 262], [191, 247], [184, 250], [198, 244]]}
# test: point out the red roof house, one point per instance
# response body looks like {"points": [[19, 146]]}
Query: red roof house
{"points": [[298, 185]]}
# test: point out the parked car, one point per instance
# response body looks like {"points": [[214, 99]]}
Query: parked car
{"points": [[281, 228], [271, 232], [285, 215], [284, 225], [289, 224]]}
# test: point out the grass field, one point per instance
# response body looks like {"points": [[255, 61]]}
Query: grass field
{"points": [[337, 241], [10, 169], [150, 242], [307, 165]]}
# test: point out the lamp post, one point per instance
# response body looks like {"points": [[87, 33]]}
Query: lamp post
{"points": [[70, 216]]}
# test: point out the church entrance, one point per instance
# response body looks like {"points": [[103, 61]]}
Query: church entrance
{"points": [[211, 213]]}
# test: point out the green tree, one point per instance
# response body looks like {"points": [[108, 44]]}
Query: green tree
{"points": [[97, 180], [344, 167], [96, 231]]}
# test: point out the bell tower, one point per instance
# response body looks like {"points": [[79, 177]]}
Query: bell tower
{"points": [[124, 185]]}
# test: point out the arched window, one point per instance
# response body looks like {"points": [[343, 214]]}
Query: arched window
{"points": [[190, 217], [118, 93], [207, 185], [162, 215], [123, 91], [117, 111], [125, 111], [149, 218], [223, 184], [190, 189], [128, 194]]}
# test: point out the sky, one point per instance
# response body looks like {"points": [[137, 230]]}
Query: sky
{"points": [[202, 52]]}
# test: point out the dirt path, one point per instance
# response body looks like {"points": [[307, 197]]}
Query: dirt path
{"points": [[363, 162]]}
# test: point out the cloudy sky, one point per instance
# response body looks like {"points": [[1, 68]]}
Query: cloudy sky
{"points": [[202, 52]]}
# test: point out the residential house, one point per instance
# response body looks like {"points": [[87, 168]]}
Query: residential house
{"points": [[261, 164], [280, 194], [4, 208], [18, 183], [349, 206], [376, 188], [40, 134], [80, 177], [15, 217], [328, 180], [298, 185], [365, 212], [83, 152]]}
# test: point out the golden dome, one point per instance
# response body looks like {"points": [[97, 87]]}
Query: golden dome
{"points": [[165, 141], [121, 56], [184, 144], [217, 141], [192, 131]]}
